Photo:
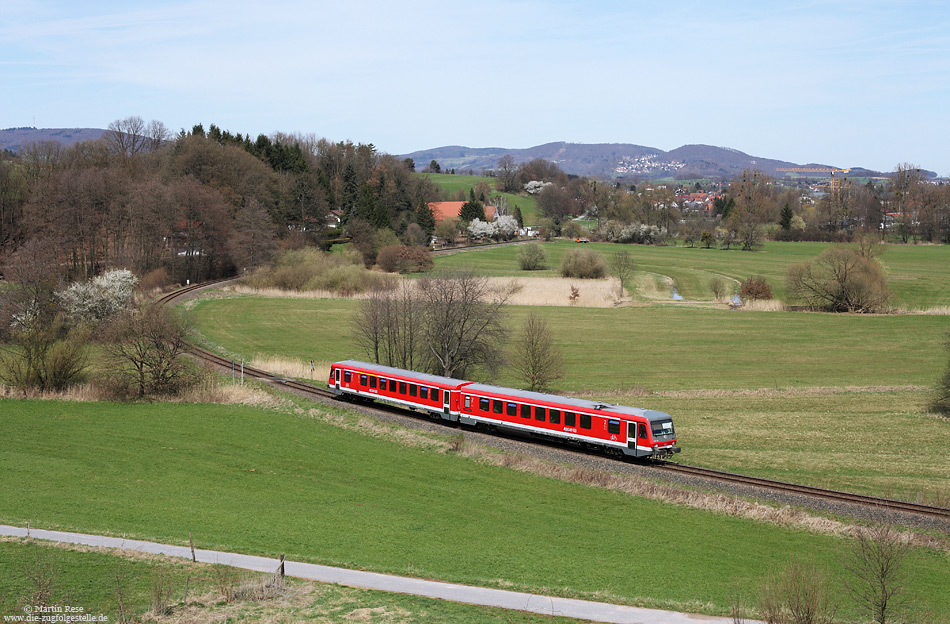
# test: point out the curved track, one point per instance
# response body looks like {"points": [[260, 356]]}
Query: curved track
{"points": [[889, 505]]}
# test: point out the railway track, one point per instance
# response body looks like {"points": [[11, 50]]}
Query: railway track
{"points": [[885, 504]]}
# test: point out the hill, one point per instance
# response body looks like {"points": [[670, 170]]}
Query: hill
{"points": [[14, 138], [619, 160]]}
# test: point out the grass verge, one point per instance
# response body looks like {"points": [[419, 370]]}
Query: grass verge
{"points": [[263, 482]]}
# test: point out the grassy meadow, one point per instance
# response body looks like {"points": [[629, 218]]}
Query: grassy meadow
{"points": [[814, 398], [268, 482], [919, 275]]}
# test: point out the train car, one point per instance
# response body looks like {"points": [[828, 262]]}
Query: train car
{"points": [[432, 393], [618, 429]]}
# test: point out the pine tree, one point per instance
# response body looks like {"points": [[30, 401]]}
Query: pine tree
{"points": [[518, 216], [786, 220], [472, 209], [425, 219]]}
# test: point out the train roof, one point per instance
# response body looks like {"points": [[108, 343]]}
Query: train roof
{"points": [[399, 372], [606, 409]]}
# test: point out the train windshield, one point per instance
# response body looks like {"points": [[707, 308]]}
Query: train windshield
{"points": [[662, 430]]}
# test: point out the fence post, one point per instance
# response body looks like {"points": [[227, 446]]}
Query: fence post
{"points": [[192, 543], [281, 568]]}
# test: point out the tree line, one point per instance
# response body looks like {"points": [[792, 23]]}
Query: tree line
{"points": [[201, 204]]}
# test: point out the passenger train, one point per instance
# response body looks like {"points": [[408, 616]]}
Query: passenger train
{"points": [[617, 429]]}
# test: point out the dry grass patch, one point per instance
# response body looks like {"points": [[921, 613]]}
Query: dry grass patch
{"points": [[290, 367]]}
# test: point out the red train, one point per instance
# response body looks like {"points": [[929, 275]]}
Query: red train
{"points": [[618, 429]]}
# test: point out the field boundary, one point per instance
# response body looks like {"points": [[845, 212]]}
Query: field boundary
{"points": [[488, 597]]}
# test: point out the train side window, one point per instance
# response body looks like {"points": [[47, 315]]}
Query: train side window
{"points": [[555, 416], [362, 380], [539, 413], [434, 394], [569, 419], [372, 382], [585, 421], [423, 393], [512, 409], [642, 431], [525, 411], [382, 383], [497, 406], [402, 387], [613, 426], [468, 402], [346, 376], [483, 405], [413, 389]]}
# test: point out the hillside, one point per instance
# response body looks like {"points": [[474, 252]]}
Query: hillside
{"points": [[618, 160], [14, 138]]}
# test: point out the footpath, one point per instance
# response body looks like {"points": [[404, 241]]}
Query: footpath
{"points": [[519, 601]]}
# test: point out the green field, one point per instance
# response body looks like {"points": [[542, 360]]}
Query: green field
{"points": [[265, 482], [652, 347], [919, 275], [736, 382], [454, 183]]}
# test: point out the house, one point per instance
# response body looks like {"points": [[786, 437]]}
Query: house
{"points": [[333, 218], [451, 210]]}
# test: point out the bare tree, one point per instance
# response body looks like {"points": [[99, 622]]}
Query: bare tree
{"points": [[156, 133], [535, 358], [623, 266], [840, 280], [252, 243], [127, 136], [878, 578], [385, 326], [507, 174], [799, 594], [461, 323], [146, 348]]}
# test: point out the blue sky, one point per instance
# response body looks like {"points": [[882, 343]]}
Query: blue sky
{"points": [[841, 83]]}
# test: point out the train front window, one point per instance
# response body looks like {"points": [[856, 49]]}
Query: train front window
{"points": [[662, 430]]}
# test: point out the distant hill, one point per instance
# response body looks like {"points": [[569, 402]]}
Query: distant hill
{"points": [[619, 160], [605, 160], [14, 138]]}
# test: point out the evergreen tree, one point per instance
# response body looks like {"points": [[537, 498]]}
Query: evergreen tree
{"points": [[786, 220], [472, 209], [425, 219], [518, 216]]}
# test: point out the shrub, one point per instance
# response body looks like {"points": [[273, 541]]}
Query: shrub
{"points": [[583, 263], [840, 280], [403, 259], [717, 286], [755, 288], [311, 269], [156, 279], [531, 257]]}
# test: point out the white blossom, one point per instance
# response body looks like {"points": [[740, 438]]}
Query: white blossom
{"points": [[101, 297], [506, 226], [535, 186], [480, 229]]}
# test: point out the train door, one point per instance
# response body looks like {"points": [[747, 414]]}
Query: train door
{"points": [[446, 397], [336, 381]]}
